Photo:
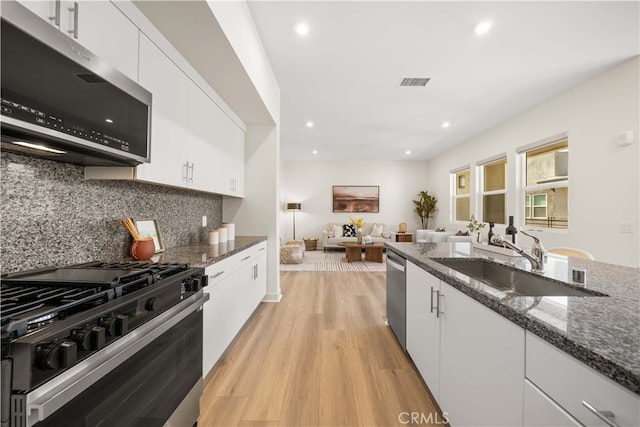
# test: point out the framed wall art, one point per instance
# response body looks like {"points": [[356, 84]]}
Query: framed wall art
{"points": [[356, 198]]}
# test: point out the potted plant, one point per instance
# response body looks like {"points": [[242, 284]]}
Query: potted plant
{"points": [[425, 207]]}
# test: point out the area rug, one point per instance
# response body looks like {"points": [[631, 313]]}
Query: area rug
{"points": [[333, 261]]}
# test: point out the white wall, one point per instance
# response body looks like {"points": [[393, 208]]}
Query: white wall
{"points": [[604, 188], [310, 183]]}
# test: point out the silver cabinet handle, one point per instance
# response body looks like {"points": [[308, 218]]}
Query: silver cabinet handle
{"points": [[245, 258], [217, 274], [261, 249], [605, 416], [190, 168], [75, 12], [185, 172], [438, 312], [431, 304], [56, 14]]}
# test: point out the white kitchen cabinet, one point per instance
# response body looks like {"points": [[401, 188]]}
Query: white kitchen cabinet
{"points": [[230, 160], [201, 149], [423, 325], [168, 85], [97, 25], [236, 287], [542, 411], [481, 363], [570, 384]]}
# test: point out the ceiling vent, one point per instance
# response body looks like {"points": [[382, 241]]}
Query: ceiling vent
{"points": [[415, 81]]}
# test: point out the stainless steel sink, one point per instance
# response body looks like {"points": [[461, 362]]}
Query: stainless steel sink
{"points": [[511, 280]]}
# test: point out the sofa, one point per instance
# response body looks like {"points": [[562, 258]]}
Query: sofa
{"points": [[333, 234]]}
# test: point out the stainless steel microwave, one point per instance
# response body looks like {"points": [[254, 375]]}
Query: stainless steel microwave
{"points": [[62, 102]]}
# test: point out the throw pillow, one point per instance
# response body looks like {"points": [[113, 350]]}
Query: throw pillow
{"points": [[349, 230], [377, 230], [330, 234], [337, 230]]}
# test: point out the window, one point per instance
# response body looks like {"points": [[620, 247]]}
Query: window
{"points": [[462, 195], [494, 191], [547, 185]]}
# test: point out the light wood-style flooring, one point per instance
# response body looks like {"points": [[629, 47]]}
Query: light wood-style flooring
{"points": [[323, 356]]}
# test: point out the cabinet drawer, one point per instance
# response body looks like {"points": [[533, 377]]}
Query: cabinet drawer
{"points": [[569, 382], [541, 411], [221, 270]]}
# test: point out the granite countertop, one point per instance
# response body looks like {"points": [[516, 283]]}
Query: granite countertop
{"points": [[601, 331], [203, 254]]}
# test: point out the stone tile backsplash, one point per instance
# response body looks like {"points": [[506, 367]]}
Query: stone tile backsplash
{"points": [[51, 216]]}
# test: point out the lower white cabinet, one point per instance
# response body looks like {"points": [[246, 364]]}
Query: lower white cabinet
{"points": [[471, 358], [541, 411], [423, 325], [236, 286], [481, 363], [575, 387]]}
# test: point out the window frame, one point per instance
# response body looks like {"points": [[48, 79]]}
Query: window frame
{"points": [[454, 174], [535, 189], [481, 193]]}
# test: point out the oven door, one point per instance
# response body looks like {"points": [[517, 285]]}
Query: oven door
{"points": [[140, 380]]}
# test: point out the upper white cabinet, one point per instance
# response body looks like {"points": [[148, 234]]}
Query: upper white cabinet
{"points": [[168, 85], [97, 25], [230, 161], [201, 131]]}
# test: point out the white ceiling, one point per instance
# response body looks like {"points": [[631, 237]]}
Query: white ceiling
{"points": [[345, 74]]}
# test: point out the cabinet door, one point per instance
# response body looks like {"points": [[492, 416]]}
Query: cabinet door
{"points": [[260, 281], [230, 160], [201, 150], [481, 363], [45, 9], [423, 327], [168, 85], [109, 34], [541, 411]]}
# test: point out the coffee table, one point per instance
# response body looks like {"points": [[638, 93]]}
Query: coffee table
{"points": [[372, 251]]}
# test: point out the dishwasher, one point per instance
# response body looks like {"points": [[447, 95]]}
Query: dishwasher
{"points": [[397, 296]]}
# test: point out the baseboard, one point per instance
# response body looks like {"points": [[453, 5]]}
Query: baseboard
{"points": [[272, 297]]}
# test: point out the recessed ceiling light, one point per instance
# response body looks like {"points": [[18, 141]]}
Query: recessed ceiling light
{"points": [[108, 120], [407, 152], [309, 124], [302, 29], [483, 27], [39, 147], [315, 151], [445, 125]]}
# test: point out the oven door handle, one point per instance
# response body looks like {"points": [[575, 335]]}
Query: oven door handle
{"points": [[51, 396]]}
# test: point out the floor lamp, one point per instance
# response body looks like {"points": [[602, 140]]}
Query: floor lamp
{"points": [[293, 207]]}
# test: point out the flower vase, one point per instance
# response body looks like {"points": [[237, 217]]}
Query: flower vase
{"points": [[478, 238], [359, 235]]}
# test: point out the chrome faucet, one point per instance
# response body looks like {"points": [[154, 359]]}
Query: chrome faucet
{"points": [[536, 258]]}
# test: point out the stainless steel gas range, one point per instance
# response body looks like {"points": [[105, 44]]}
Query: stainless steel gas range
{"points": [[102, 344]]}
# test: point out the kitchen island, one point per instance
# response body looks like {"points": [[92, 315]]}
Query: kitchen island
{"points": [[541, 341]]}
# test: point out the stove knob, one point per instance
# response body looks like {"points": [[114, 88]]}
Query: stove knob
{"points": [[57, 356], [115, 326], [48, 357], [90, 339], [151, 304], [83, 338]]}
